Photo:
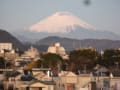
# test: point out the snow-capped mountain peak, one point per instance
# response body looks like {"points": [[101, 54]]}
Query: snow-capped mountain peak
{"points": [[60, 22]]}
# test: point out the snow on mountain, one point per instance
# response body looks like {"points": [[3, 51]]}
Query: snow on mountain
{"points": [[60, 22], [64, 24]]}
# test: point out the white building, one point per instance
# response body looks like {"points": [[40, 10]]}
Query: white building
{"points": [[8, 53], [6, 46], [58, 49]]}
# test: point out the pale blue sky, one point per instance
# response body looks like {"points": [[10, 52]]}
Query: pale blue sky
{"points": [[17, 14]]}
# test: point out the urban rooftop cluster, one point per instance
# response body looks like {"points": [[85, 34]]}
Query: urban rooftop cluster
{"points": [[56, 69]]}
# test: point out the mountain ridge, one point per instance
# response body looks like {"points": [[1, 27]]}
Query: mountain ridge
{"points": [[7, 37], [68, 25], [78, 34], [71, 44], [68, 43]]}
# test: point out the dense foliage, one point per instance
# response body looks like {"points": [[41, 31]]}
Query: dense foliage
{"points": [[49, 60], [79, 60], [82, 59], [110, 58], [2, 62]]}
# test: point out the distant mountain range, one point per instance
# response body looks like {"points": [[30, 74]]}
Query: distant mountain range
{"points": [[63, 27], [79, 33], [68, 43], [71, 44], [6, 37]]}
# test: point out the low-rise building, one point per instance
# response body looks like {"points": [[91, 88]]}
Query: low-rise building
{"points": [[9, 54], [58, 49], [31, 53], [6, 46]]}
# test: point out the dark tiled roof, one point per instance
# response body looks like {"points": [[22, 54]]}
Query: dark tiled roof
{"points": [[27, 78], [14, 73], [116, 73]]}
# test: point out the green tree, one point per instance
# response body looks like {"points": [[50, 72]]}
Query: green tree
{"points": [[110, 57], [81, 59], [39, 63], [52, 61], [2, 62]]}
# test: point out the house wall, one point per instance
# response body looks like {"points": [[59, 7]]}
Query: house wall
{"points": [[7, 46], [45, 87], [115, 83], [76, 82]]}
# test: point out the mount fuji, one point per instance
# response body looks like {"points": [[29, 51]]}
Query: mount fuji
{"points": [[60, 22], [68, 25]]}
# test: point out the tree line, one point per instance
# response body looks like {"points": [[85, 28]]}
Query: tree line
{"points": [[79, 60]]}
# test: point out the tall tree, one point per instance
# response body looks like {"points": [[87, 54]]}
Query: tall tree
{"points": [[110, 58], [82, 59], [52, 61], [2, 62]]}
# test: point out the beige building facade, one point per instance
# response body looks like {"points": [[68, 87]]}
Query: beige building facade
{"points": [[6, 46]]}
